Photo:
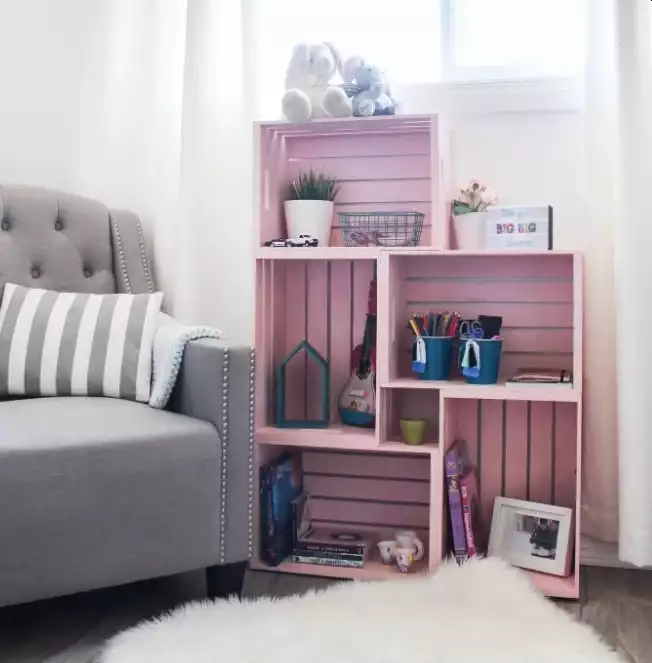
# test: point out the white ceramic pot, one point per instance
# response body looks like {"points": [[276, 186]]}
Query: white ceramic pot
{"points": [[470, 231], [310, 217]]}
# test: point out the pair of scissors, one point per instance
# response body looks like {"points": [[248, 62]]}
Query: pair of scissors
{"points": [[471, 329]]}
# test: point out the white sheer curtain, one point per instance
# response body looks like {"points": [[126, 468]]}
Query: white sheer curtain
{"points": [[633, 269], [600, 473], [619, 167], [142, 104], [169, 134], [216, 182]]}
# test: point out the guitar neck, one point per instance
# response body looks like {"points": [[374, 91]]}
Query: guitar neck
{"points": [[372, 299]]}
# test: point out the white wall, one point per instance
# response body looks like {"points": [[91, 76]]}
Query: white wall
{"points": [[527, 157], [91, 99], [41, 56]]}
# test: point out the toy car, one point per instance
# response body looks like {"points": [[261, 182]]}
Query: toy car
{"points": [[303, 240], [277, 243]]}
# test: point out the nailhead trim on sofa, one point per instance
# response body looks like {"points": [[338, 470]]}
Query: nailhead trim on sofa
{"points": [[250, 515], [121, 253], [143, 255], [224, 437]]}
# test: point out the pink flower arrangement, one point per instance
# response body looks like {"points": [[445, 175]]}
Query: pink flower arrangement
{"points": [[476, 197]]}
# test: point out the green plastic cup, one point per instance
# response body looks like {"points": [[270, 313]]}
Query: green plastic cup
{"points": [[413, 430]]}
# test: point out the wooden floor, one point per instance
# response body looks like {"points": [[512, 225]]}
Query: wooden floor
{"points": [[617, 602]]}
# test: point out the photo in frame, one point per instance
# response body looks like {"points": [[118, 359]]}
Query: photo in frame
{"points": [[519, 227], [533, 536]]}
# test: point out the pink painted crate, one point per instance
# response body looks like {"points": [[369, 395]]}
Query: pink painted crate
{"points": [[525, 450], [321, 301], [384, 164], [374, 493], [535, 295]]}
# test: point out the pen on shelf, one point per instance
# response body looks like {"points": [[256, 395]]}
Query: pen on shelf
{"points": [[437, 330], [456, 324], [431, 324]]}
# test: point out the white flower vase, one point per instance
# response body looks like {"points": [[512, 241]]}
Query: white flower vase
{"points": [[310, 217], [470, 231]]}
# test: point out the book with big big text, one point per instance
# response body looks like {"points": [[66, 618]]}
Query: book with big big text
{"points": [[453, 466]]}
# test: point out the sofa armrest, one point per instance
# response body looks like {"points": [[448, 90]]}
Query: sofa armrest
{"points": [[216, 384]]}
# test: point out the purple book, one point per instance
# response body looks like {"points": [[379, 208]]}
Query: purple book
{"points": [[453, 463]]}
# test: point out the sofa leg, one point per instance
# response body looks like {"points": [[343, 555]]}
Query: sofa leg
{"points": [[224, 581]]}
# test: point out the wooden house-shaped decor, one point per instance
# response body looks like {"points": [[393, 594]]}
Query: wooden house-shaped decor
{"points": [[310, 355]]}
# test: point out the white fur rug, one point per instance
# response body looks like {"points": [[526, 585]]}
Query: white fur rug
{"points": [[482, 612]]}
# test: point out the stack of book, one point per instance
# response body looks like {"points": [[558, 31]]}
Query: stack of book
{"points": [[331, 548]]}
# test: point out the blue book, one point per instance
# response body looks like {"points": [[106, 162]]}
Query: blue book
{"points": [[280, 484]]}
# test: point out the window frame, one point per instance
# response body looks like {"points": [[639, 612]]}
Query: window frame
{"points": [[523, 95]]}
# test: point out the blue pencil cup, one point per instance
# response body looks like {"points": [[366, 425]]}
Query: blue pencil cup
{"points": [[490, 352], [439, 358]]}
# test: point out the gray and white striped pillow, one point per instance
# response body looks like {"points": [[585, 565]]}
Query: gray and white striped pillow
{"points": [[68, 344]]}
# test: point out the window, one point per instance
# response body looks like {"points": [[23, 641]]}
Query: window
{"points": [[511, 38], [421, 42]]}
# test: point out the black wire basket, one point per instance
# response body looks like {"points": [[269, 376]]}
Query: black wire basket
{"points": [[387, 229]]}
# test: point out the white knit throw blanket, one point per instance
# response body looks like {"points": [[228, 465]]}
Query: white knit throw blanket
{"points": [[167, 354]]}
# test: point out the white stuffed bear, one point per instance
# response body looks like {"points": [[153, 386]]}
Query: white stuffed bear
{"points": [[308, 93]]}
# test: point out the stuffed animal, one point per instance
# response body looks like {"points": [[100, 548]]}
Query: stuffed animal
{"points": [[374, 97], [308, 92]]}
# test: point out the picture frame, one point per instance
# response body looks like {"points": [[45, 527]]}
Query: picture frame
{"points": [[519, 227], [533, 536]]}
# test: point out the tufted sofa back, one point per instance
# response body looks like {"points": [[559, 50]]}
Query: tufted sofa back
{"points": [[62, 242]]}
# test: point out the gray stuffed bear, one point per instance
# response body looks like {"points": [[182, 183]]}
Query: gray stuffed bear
{"points": [[373, 97]]}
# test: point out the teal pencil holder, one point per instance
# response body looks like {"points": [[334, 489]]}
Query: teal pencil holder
{"points": [[439, 358], [490, 352]]}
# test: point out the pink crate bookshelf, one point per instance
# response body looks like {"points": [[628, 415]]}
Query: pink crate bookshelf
{"points": [[526, 441]]}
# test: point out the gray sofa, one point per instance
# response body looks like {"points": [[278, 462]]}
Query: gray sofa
{"points": [[97, 491]]}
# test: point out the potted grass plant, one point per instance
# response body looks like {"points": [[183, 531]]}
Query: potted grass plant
{"points": [[309, 208], [469, 218]]}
